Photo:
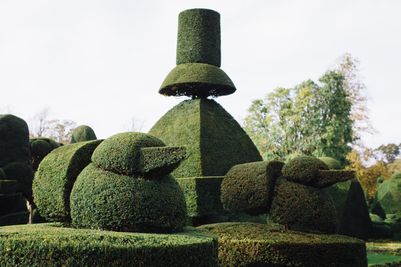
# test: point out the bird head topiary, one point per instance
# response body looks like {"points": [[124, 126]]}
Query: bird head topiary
{"points": [[198, 72], [332, 163], [82, 133], [127, 187]]}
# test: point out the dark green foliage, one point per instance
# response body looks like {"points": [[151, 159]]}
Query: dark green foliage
{"points": [[21, 217], [197, 80], [121, 153], [106, 200], [303, 169], [82, 133], [250, 244], [8, 186], [303, 208], [330, 177], [155, 162], [351, 208], [202, 195], [22, 173], [214, 140], [389, 194], [53, 245], [332, 163], [55, 177], [2, 174], [40, 147], [249, 187], [11, 203], [199, 37]]}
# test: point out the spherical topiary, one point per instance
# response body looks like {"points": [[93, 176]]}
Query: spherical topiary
{"points": [[303, 169], [82, 133], [121, 153], [40, 147], [303, 208], [332, 163], [249, 187], [199, 37], [105, 200]]}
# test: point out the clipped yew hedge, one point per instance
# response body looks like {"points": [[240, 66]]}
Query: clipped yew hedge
{"points": [[249, 187], [40, 245], [251, 244], [330, 177], [55, 177], [332, 163], [303, 169], [82, 133], [105, 200], [40, 147]]}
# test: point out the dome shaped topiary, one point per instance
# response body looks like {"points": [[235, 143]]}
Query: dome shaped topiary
{"points": [[389, 194], [303, 169], [82, 133], [332, 163], [40, 147]]}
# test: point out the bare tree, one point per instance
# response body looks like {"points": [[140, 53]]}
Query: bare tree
{"points": [[40, 123], [135, 125]]}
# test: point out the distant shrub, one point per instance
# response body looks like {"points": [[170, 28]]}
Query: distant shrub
{"points": [[82, 133], [40, 147]]}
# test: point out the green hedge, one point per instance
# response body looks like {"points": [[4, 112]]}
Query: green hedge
{"points": [[199, 37], [121, 153], [82, 133], [303, 208], [105, 200], [197, 80], [214, 140], [40, 147], [11, 203], [8, 186], [53, 245], [155, 162], [21, 172], [332, 163], [389, 194], [250, 244], [202, 195], [303, 169], [330, 177], [55, 177], [249, 187], [21, 217]]}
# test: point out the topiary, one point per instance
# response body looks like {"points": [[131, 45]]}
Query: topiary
{"points": [[252, 244], [303, 169], [120, 191], [332, 163], [22, 173], [82, 133], [389, 194], [55, 177], [303, 208], [249, 187], [40, 147]]}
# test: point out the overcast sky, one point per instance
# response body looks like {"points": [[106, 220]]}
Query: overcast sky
{"points": [[101, 62]]}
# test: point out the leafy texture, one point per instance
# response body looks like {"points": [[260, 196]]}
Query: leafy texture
{"points": [[250, 244], [105, 200], [199, 37], [214, 140], [330, 177], [8, 186], [197, 80], [351, 209], [303, 208], [202, 195], [54, 245], [40, 147], [303, 169], [332, 163], [82, 133], [389, 194], [249, 187], [55, 177]]}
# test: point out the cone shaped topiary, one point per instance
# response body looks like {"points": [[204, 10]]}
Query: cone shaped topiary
{"points": [[198, 58]]}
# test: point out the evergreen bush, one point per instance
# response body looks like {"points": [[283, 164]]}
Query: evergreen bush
{"points": [[82, 133]]}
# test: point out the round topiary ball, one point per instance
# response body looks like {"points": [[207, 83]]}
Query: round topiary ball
{"points": [[121, 152], [332, 163], [82, 133], [303, 169], [105, 200]]}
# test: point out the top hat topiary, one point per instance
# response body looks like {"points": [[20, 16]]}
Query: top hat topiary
{"points": [[197, 73]]}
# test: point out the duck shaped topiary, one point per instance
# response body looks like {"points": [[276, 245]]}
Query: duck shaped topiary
{"points": [[127, 187]]}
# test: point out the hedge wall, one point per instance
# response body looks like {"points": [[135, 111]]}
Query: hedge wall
{"points": [[23, 174], [53, 245], [250, 244], [55, 177], [249, 187], [106, 200], [214, 140], [82, 133]]}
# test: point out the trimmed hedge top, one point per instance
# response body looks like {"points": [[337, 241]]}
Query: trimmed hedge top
{"points": [[82, 133], [121, 153], [40, 245], [303, 169], [197, 80], [332, 163], [199, 37], [40, 147], [55, 177]]}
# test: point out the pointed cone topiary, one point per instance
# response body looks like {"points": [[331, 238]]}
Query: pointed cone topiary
{"points": [[197, 73]]}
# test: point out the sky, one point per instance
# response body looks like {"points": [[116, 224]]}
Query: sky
{"points": [[101, 63]]}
